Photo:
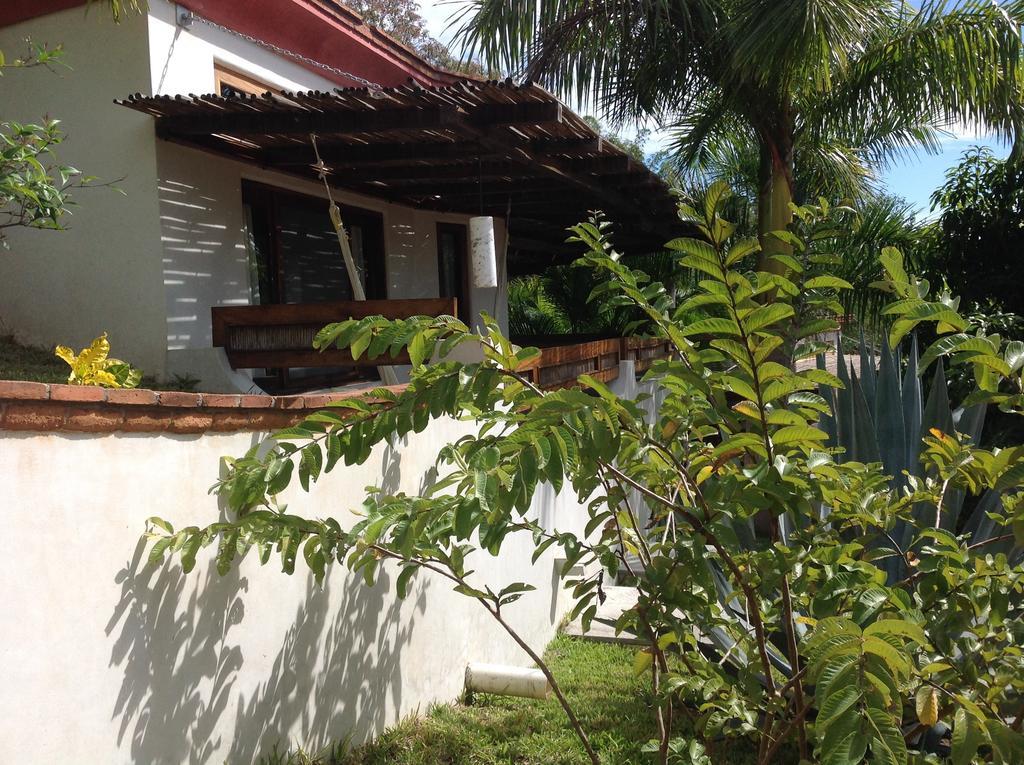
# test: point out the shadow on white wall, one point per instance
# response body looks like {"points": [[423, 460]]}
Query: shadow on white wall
{"points": [[337, 671]]}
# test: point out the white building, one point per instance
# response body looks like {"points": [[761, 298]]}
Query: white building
{"points": [[221, 205]]}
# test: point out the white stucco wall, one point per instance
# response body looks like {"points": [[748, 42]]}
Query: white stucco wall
{"points": [[108, 660], [104, 273]]}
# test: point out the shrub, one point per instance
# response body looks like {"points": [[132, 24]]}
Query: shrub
{"points": [[93, 366]]}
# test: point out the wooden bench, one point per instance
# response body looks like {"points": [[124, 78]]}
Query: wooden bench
{"points": [[281, 336]]}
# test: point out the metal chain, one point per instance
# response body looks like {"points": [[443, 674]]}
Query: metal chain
{"points": [[373, 86]]}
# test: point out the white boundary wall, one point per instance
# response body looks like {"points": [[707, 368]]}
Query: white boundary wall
{"points": [[108, 660]]}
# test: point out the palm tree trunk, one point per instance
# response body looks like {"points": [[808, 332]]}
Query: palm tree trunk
{"points": [[775, 194]]}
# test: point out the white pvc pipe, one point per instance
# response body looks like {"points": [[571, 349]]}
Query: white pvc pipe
{"points": [[507, 681], [483, 259]]}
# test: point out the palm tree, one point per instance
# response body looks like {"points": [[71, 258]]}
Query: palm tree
{"points": [[120, 8], [840, 83]]}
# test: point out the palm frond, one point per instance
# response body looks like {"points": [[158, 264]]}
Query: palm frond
{"points": [[882, 221], [803, 42], [531, 311], [633, 57], [963, 64]]}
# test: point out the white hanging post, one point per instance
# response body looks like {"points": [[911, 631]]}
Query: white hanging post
{"points": [[387, 374], [483, 259]]}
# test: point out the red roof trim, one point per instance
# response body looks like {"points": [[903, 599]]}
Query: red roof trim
{"points": [[13, 11], [323, 30], [326, 32]]}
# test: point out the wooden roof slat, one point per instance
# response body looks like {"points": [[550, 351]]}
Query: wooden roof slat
{"points": [[433, 147]]}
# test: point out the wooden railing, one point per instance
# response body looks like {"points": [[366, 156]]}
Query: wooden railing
{"points": [[561, 365], [281, 336], [644, 351]]}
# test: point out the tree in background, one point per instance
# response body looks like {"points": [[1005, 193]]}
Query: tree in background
{"points": [[981, 230], [868, 219], [401, 20], [634, 147], [839, 85]]}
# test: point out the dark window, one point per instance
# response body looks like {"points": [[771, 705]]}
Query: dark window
{"points": [[452, 275], [294, 257], [293, 250]]}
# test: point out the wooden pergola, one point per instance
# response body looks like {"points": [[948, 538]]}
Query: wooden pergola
{"points": [[472, 147]]}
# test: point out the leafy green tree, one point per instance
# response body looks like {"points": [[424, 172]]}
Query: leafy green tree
{"points": [[828, 85], [979, 249], [634, 147], [747, 635], [401, 20]]}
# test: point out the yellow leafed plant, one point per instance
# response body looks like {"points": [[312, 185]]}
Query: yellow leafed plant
{"points": [[93, 366]]}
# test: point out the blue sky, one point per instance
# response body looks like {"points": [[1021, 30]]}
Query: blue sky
{"points": [[916, 178], [913, 179]]}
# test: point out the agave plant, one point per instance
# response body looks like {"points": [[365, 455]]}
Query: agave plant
{"points": [[881, 416]]}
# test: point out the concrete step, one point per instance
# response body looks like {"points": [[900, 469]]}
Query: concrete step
{"points": [[602, 628]]}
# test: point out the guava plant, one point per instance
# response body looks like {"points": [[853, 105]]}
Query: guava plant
{"points": [[757, 556]]}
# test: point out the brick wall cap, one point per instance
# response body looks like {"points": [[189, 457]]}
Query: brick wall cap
{"points": [[43, 407], [21, 390]]}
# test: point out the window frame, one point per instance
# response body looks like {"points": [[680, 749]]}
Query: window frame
{"points": [[268, 198], [264, 201], [244, 83]]}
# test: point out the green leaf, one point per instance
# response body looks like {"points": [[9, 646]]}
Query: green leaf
{"points": [[926, 704], [827, 282], [888, 746], [902, 627], [898, 664], [967, 737], [796, 434], [465, 518], [159, 548], [742, 249], [892, 261], [765, 316], [402, 584], [418, 349], [189, 550], [712, 327], [1014, 355], [160, 523], [941, 347], [642, 662], [361, 343], [836, 705]]}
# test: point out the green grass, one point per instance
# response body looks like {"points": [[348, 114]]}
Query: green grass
{"points": [[597, 679], [36, 364], [26, 362]]}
